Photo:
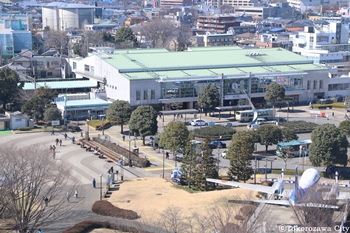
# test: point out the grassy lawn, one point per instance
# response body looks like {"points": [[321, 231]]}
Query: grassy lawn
{"points": [[5, 132]]}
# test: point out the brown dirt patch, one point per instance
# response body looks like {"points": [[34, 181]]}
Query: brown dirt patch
{"points": [[151, 196]]}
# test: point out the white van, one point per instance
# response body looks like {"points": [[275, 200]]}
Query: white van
{"points": [[260, 121]]}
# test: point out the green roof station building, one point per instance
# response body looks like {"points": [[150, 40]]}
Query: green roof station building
{"points": [[157, 76]]}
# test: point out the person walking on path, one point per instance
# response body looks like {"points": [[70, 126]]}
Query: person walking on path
{"points": [[111, 170], [60, 142], [73, 139], [57, 141], [46, 201], [94, 183], [52, 132], [65, 136], [68, 196], [76, 194], [81, 134], [123, 138]]}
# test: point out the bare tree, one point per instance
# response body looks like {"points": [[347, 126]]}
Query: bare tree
{"points": [[183, 37], [57, 40], [286, 155], [310, 216], [158, 32], [34, 187]]}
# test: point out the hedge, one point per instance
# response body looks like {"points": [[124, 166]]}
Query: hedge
{"points": [[89, 225], [23, 128], [214, 132], [299, 126], [105, 208]]}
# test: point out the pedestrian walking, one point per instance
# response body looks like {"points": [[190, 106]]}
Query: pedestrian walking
{"points": [[81, 134], [167, 155], [332, 114], [68, 196], [65, 136], [46, 201], [93, 183], [111, 169], [76, 194], [52, 132], [51, 148], [57, 141], [73, 139], [123, 138], [54, 154], [60, 142]]}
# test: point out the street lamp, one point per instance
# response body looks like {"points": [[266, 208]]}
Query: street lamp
{"points": [[163, 163], [87, 125], [101, 186]]}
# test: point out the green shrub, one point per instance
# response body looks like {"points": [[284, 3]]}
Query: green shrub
{"points": [[299, 126], [23, 128], [89, 225], [74, 127], [214, 132], [105, 208]]}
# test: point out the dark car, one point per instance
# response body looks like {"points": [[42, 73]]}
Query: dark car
{"points": [[228, 124], [216, 144], [279, 120]]}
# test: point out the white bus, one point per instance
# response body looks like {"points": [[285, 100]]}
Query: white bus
{"points": [[248, 115]]}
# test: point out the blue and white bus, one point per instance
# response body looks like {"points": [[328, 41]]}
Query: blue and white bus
{"points": [[294, 147]]}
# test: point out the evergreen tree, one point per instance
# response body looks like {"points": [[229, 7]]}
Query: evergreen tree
{"points": [[209, 97], [189, 162], [206, 168], [240, 154], [143, 121], [119, 113], [329, 146], [174, 136]]}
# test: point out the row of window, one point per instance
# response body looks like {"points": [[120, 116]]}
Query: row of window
{"points": [[88, 68], [217, 40], [145, 95], [338, 87], [320, 86]]}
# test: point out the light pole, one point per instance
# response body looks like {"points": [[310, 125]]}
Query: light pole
{"points": [[103, 126], [101, 186], [218, 160], [87, 125], [163, 163], [129, 152]]}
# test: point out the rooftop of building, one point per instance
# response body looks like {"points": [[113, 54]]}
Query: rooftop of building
{"points": [[205, 61], [83, 103], [199, 62], [63, 84]]}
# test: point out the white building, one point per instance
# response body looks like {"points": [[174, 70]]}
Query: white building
{"points": [[157, 76], [60, 16], [324, 44]]}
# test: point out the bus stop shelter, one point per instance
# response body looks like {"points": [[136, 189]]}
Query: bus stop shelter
{"points": [[178, 113]]}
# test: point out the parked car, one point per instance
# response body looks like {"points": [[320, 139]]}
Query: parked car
{"points": [[279, 120], [228, 124], [216, 144], [260, 121], [198, 122], [223, 154]]}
